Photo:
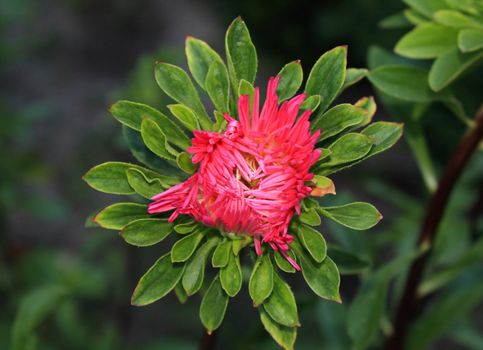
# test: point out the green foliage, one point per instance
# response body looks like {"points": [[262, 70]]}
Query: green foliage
{"points": [[160, 142]]}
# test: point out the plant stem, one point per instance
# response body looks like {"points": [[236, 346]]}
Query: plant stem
{"points": [[207, 341], [434, 213]]}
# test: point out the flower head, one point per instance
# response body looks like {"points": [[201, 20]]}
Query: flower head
{"points": [[253, 176]]}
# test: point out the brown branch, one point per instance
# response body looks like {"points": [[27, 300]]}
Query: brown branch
{"points": [[408, 306]]}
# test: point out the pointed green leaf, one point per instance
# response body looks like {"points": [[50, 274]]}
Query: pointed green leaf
{"points": [[428, 40], [240, 53], [176, 83], [158, 281], [283, 336], [194, 273], [357, 215], [322, 277], [222, 254], [118, 215], [346, 149], [146, 232], [291, 77], [261, 280], [470, 40], [246, 88], [155, 140], [283, 263], [200, 58], [231, 276], [337, 119], [353, 76], [456, 19], [213, 306], [180, 293], [186, 116], [109, 177], [369, 105], [327, 77], [427, 7], [143, 185], [186, 227], [132, 114], [311, 102], [281, 305], [185, 247], [313, 241], [310, 217], [217, 86]]}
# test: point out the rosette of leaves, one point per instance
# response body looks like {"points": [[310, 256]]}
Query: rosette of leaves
{"points": [[204, 259]]}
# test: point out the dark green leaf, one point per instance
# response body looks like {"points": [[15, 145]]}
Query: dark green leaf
{"points": [[240, 53], [310, 217], [337, 119], [261, 280], [144, 186], [323, 278], [346, 149], [429, 40], [311, 102], [383, 136], [217, 85], [155, 140], [176, 83], [109, 177], [283, 263], [132, 114], [186, 227], [180, 293], [222, 254], [194, 273], [353, 76], [186, 116], [185, 247], [231, 276], [146, 232], [281, 305], [213, 306], [327, 76], [158, 281], [118, 215], [357, 215], [313, 241], [283, 336], [450, 65], [346, 262], [183, 160], [291, 77], [396, 21]]}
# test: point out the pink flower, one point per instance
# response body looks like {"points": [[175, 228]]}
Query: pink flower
{"points": [[253, 176]]}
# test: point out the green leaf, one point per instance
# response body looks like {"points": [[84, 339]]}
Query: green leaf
{"points": [[346, 149], [146, 232], [118, 215], [185, 115], [109, 177], [184, 162], [143, 185], [427, 7], [347, 262], [281, 305], [217, 85], [450, 66], [383, 136], [324, 186], [368, 308], [403, 82], [311, 102], [283, 263], [283, 336], [455, 19], [353, 76], [180, 293], [327, 76], [470, 40], [369, 105], [33, 309], [194, 273], [414, 17], [186, 246], [310, 217], [231, 276], [396, 21], [200, 57], [245, 88], [322, 277], [158, 281], [132, 115], [357, 215], [337, 119], [186, 227], [261, 280], [428, 40], [213, 306], [291, 77], [240, 53], [313, 241], [155, 140], [176, 83], [222, 254]]}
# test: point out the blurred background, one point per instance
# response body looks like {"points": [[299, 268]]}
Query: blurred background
{"points": [[63, 63]]}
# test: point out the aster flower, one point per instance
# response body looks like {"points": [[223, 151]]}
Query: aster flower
{"points": [[243, 180]]}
